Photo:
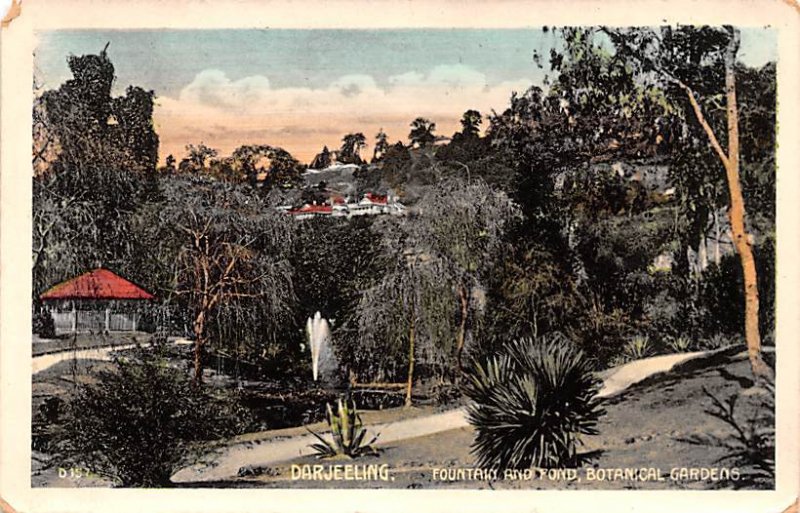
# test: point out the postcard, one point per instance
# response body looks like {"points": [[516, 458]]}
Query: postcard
{"points": [[373, 256]]}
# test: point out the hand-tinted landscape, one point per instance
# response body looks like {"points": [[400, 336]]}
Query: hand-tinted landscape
{"points": [[529, 258]]}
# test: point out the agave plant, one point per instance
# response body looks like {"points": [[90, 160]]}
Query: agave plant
{"points": [[531, 404], [347, 432]]}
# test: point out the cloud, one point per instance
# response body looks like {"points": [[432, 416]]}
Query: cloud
{"points": [[226, 113]]}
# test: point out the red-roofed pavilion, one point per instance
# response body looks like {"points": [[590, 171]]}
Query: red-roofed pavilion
{"points": [[98, 300]]}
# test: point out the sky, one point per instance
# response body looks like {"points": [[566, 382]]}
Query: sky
{"points": [[303, 89]]}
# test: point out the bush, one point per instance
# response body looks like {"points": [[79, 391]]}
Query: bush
{"points": [[531, 403], [602, 333], [43, 324], [142, 420]]}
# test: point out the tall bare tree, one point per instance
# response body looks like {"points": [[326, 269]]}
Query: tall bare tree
{"points": [[230, 256]]}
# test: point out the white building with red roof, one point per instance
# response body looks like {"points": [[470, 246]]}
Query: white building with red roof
{"points": [[96, 301], [338, 206]]}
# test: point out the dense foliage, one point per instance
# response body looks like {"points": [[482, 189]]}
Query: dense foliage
{"points": [[139, 423], [592, 206]]}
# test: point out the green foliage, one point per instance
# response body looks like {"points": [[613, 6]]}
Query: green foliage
{"points": [[273, 166], [347, 433], [471, 123], [413, 294], [531, 404], [94, 163], [142, 421], [381, 145], [530, 293], [352, 144], [230, 262], [602, 332], [719, 340]]}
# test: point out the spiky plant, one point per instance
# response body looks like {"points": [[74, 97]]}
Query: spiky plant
{"points": [[531, 404], [637, 348], [680, 344], [347, 432]]}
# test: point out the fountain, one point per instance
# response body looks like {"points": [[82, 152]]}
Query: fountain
{"points": [[323, 361]]}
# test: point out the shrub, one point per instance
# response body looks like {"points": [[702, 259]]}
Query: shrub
{"points": [[531, 403], [601, 333], [43, 324], [347, 432], [142, 420]]}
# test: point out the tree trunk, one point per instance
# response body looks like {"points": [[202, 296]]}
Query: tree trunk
{"points": [[702, 254], [462, 328], [717, 235], [741, 239], [199, 340], [410, 382]]}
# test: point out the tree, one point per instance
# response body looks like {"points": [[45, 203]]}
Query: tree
{"points": [[270, 166], [322, 159], [381, 145], [470, 123], [405, 318], [169, 163], [422, 132], [197, 158], [352, 144], [462, 226], [94, 163], [231, 260], [709, 64], [327, 278]]}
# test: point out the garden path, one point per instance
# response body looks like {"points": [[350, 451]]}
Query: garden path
{"points": [[225, 463]]}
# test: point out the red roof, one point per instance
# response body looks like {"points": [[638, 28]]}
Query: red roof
{"points": [[313, 209], [376, 198], [97, 284]]}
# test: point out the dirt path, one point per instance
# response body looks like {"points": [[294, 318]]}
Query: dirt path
{"points": [[45, 361], [225, 464]]}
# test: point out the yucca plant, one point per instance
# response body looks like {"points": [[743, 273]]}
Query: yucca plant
{"points": [[531, 404], [637, 348], [679, 344], [347, 432]]}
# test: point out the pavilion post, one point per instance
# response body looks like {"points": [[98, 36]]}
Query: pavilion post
{"points": [[74, 317], [108, 317]]}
